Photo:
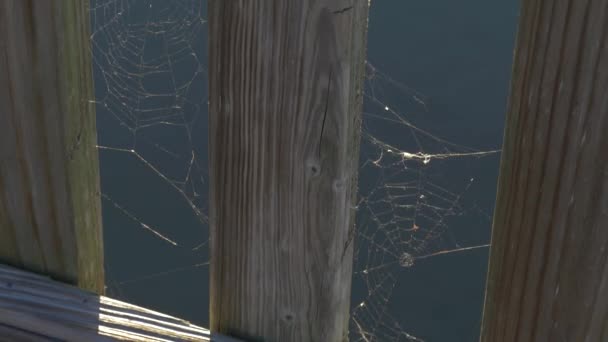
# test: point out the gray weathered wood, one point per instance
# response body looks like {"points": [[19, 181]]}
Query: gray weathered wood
{"points": [[285, 110], [50, 213], [35, 308], [548, 272]]}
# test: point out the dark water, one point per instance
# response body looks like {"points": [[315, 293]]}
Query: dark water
{"points": [[440, 66]]}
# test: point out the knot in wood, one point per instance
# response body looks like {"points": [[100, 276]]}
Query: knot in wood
{"points": [[313, 167], [288, 317]]}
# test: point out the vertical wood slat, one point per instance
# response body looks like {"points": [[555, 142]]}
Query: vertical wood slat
{"points": [[50, 212], [285, 84], [548, 272]]}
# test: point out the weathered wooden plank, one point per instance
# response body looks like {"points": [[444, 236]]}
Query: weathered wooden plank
{"points": [[548, 272], [50, 216], [35, 308], [285, 110]]}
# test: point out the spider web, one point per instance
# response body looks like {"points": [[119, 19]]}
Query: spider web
{"points": [[149, 66], [409, 208]]}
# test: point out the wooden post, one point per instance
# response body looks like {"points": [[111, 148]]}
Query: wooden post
{"points": [[50, 216], [285, 86], [548, 272]]}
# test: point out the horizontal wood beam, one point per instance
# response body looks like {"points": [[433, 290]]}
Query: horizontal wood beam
{"points": [[36, 308]]}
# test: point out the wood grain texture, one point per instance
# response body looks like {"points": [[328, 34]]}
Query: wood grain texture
{"points": [[50, 211], [35, 308], [285, 84], [548, 272]]}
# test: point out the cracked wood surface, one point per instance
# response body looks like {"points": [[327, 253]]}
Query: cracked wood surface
{"points": [[50, 213], [285, 85]]}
